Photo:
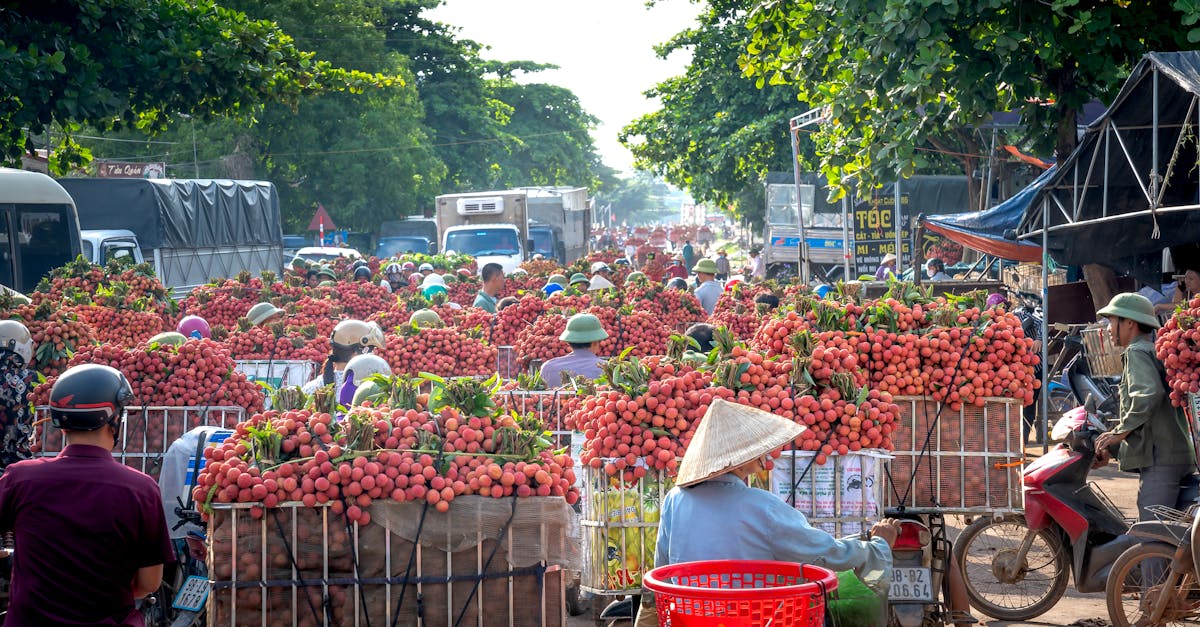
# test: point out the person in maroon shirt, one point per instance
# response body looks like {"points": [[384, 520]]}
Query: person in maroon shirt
{"points": [[91, 536]]}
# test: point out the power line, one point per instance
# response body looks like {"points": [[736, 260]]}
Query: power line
{"points": [[130, 141]]}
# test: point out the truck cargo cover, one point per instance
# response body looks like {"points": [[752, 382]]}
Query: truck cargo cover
{"points": [[180, 213]]}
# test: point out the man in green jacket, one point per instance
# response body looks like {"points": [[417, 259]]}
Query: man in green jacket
{"points": [[1154, 437]]}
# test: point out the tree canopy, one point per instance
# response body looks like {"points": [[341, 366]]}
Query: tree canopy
{"points": [[717, 134], [895, 74], [450, 121], [131, 63]]}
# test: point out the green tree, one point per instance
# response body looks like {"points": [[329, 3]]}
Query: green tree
{"points": [[123, 63], [898, 73], [465, 121], [489, 129], [548, 140], [365, 157], [717, 134]]}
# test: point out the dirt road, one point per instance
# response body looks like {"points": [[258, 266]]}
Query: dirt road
{"points": [[1074, 609], [1085, 609]]}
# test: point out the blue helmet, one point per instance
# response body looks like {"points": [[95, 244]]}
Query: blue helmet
{"points": [[551, 288], [821, 291]]}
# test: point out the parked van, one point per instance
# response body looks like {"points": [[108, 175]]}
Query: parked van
{"points": [[39, 228]]}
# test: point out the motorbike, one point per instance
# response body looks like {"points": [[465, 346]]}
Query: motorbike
{"points": [[1017, 567], [180, 600], [1157, 582], [920, 561]]}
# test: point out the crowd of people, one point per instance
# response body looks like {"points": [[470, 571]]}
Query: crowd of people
{"points": [[41, 500]]}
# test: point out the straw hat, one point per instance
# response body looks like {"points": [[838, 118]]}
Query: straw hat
{"points": [[729, 436], [886, 258]]}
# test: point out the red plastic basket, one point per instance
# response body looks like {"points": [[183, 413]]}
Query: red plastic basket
{"points": [[740, 593]]}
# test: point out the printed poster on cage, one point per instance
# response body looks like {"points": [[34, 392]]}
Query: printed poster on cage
{"points": [[845, 487]]}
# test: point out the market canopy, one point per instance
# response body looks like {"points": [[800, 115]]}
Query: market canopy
{"points": [[985, 230], [1131, 187]]}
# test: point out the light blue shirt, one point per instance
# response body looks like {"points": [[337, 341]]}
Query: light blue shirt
{"points": [[723, 519], [708, 294], [580, 362]]}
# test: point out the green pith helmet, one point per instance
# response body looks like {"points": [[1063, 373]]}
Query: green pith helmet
{"points": [[327, 273], [169, 338], [578, 277], [705, 266], [425, 318], [327, 283], [557, 279], [1132, 307], [260, 312], [449, 278], [365, 390], [583, 329], [299, 264], [635, 276]]}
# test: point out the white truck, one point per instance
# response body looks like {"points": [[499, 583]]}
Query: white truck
{"points": [[490, 226], [560, 221], [190, 230]]}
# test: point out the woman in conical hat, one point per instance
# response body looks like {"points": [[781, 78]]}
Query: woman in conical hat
{"points": [[711, 514]]}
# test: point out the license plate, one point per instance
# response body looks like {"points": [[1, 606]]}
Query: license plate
{"points": [[194, 592], [910, 584]]}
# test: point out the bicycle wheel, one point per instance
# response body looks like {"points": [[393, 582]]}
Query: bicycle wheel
{"points": [[1139, 577], [986, 551]]}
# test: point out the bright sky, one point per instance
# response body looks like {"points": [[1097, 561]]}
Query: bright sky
{"points": [[604, 49]]}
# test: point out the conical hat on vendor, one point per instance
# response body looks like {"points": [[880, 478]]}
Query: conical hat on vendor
{"points": [[730, 435]]}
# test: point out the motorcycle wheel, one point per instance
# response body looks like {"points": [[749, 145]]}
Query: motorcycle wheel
{"points": [[1130, 596], [981, 550]]}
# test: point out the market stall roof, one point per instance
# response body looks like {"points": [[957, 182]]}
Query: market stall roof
{"points": [[1131, 187], [985, 230]]}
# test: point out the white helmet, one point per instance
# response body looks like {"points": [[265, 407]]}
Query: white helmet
{"points": [[358, 334], [393, 268], [600, 266], [433, 279], [366, 365], [16, 338]]}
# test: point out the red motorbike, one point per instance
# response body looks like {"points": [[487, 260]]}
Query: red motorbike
{"points": [[1017, 567]]}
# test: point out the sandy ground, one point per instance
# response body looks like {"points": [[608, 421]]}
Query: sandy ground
{"points": [[1074, 608]]}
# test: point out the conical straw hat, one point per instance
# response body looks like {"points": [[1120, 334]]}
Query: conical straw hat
{"points": [[729, 436]]}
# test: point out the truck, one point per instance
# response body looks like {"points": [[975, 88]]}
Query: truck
{"points": [[490, 226], [189, 230], [39, 228], [411, 235], [781, 236], [560, 222], [857, 237]]}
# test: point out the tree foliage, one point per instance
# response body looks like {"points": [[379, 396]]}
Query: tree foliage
{"points": [[717, 134], [896, 73], [135, 63], [454, 123]]}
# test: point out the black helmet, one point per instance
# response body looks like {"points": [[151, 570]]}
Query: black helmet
{"points": [[677, 284], [87, 397], [360, 263], [362, 271]]}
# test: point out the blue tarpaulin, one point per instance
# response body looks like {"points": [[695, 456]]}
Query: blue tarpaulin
{"points": [[984, 230]]}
